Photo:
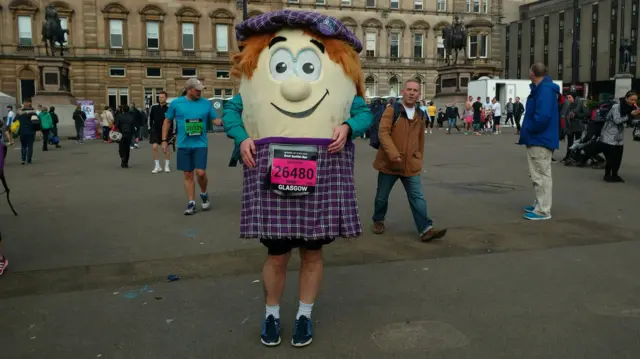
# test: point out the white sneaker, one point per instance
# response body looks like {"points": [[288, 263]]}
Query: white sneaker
{"points": [[156, 170], [167, 169]]}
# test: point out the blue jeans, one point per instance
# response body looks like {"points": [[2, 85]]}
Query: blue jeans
{"points": [[26, 147], [418, 204], [452, 123]]}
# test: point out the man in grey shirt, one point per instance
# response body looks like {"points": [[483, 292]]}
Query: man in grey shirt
{"points": [[509, 110]]}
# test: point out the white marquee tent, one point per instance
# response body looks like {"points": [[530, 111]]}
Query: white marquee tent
{"points": [[6, 100]]}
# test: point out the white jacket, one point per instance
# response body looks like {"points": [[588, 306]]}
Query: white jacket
{"points": [[106, 118]]}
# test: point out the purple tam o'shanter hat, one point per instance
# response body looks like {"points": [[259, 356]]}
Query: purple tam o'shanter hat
{"points": [[317, 23]]}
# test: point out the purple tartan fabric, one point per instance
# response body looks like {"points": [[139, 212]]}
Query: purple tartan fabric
{"points": [[331, 211], [316, 22]]}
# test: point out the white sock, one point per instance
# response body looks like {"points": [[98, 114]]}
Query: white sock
{"points": [[304, 309], [157, 163], [166, 163], [273, 310]]}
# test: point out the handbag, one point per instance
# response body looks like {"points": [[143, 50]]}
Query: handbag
{"points": [[115, 136]]}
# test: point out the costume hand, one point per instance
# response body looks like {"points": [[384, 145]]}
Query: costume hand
{"points": [[340, 135], [217, 122], [247, 151], [397, 159]]}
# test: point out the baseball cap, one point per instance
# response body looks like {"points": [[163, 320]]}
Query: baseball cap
{"points": [[194, 83]]}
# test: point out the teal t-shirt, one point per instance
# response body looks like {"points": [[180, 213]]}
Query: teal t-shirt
{"points": [[191, 119]]}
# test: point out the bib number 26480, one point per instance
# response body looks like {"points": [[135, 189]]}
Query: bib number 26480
{"points": [[294, 170]]}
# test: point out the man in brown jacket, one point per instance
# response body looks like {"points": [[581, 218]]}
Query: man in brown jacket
{"points": [[400, 157]]}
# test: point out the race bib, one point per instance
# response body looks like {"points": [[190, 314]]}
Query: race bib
{"points": [[194, 127], [293, 169]]}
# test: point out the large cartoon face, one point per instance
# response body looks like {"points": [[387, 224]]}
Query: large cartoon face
{"points": [[296, 90]]}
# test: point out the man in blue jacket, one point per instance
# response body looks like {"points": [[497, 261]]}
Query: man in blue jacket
{"points": [[540, 134]]}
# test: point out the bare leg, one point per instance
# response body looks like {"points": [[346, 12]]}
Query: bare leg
{"points": [[274, 275], [203, 180], [311, 271], [189, 186], [155, 151]]}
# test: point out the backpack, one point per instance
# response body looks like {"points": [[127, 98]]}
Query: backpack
{"points": [[602, 111], [374, 139], [35, 122]]}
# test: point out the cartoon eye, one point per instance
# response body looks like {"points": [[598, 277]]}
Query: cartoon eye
{"points": [[281, 65], [308, 65]]}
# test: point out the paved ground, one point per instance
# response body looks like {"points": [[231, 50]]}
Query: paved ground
{"points": [[93, 239]]}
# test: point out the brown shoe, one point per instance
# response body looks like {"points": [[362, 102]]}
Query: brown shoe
{"points": [[432, 234], [378, 227]]}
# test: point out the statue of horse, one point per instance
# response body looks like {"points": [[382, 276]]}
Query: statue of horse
{"points": [[455, 41], [52, 31]]}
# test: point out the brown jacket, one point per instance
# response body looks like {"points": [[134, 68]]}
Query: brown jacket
{"points": [[404, 139]]}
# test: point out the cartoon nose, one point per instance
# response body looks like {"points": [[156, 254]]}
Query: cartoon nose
{"points": [[295, 89]]}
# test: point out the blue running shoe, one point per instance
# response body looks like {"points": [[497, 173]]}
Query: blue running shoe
{"points": [[270, 335], [536, 217], [205, 201], [302, 332], [191, 209], [531, 209]]}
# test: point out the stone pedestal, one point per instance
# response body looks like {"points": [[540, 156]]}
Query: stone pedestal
{"points": [[54, 87], [452, 85], [622, 84], [54, 90]]}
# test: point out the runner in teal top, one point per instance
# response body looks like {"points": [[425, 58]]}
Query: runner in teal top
{"points": [[192, 114]]}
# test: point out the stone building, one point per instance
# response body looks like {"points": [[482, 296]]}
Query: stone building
{"points": [[127, 51], [545, 32]]}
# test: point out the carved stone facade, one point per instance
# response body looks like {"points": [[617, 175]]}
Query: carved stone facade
{"points": [[128, 51]]}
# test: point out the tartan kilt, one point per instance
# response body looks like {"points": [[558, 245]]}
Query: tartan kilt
{"points": [[330, 211]]}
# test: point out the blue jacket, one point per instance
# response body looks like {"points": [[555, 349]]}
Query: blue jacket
{"points": [[541, 117]]}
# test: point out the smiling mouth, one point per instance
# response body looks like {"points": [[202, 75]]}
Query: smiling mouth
{"points": [[302, 114]]}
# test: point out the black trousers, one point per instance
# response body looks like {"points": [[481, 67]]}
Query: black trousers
{"points": [[509, 118], [124, 148], [571, 137], [518, 122], [45, 139], [613, 154]]}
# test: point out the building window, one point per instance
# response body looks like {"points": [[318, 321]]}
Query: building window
{"points": [[473, 6], [188, 36], [154, 72], [417, 5], [371, 3], [115, 34], [418, 41], [371, 44], [64, 24], [394, 86], [222, 37], [532, 42], [320, 2], [293, 1], [370, 87], [223, 93], [189, 72], [395, 4], [485, 6], [151, 96], [223, 74], [117, 72], [441, 5], [117, 97], [153, 35], [478, 46], [25, 37], [345, 2], [394, 45], [441, 51]]}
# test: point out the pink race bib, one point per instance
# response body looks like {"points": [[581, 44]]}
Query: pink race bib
{"points": [[294, 169]]}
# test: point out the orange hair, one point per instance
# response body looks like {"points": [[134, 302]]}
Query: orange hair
{"points": [[246, 61]]}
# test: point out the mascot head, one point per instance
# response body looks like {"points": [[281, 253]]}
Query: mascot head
{"points": [[298, 71]]}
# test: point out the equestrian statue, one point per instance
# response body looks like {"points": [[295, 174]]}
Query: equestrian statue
{"points": [[455, 40], [52, 31]]}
